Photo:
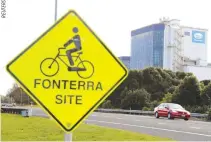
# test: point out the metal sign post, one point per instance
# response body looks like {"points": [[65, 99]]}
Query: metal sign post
{"points": [[68, 137]]}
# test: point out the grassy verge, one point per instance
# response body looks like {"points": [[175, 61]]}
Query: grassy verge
{"points": [[18, 128]]}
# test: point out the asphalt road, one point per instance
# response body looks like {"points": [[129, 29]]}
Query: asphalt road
{"points": [[176, 129]]}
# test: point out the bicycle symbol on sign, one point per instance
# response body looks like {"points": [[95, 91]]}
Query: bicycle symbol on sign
{"points": [[85, 69]]}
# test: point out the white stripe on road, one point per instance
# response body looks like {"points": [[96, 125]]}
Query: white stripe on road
{"points": [[161, 123], [195, 127], [150, 128], [150, 117], [107, 116], [114, 117]]}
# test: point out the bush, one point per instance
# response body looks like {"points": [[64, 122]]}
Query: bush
{"points": [[188, 92], [167, 98], [146, 109], [107, 104], [136, 99], [154, 104], [197, 109], [209, 115]]}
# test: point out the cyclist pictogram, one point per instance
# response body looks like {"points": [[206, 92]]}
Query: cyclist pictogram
{"points": [[50, 66]]}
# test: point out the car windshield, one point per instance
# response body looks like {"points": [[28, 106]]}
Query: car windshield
{"points": [[175, 106]]}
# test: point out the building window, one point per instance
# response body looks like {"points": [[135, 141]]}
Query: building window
{"points": [[187, 33]]}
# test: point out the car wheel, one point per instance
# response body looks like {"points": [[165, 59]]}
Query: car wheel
{"points": [[169, 116], [186, 119], [156, 114]]}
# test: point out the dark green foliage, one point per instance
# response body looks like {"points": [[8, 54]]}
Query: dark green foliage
{"points": [[179, 87], [196, 108], [209, 115], [205, 82], [206, 95], [153, 104], [171, 89], [107, 104], [167, 98], [180, 75], [188, 92], [135, 99]]}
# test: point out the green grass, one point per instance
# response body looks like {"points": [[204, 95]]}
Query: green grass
{"points": [[18, 128]]}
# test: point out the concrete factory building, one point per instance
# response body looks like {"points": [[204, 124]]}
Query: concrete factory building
{"points": [[170, 45], [125, 60]]}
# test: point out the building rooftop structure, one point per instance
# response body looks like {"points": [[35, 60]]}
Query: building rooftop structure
{"points": [[170, 45]]}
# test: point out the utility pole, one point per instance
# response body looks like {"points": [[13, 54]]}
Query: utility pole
{"points": [[55, 15]]}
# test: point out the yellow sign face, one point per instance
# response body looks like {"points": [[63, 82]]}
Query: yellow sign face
{"points": [[68, 71]]}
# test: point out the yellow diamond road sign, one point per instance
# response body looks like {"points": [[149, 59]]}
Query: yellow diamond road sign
{"points": [[68, 70]]}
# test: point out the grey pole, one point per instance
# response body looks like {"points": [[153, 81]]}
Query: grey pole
{"points": [[21, 95], [68, 137], [55, 10], [28, 101]]}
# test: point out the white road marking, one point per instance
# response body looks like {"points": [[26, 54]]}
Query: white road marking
{"points": [[195, 127], [114, 117], [162, 123], [124, 115], [150, 128], [150, 117], [195, 122], [107, 116]]}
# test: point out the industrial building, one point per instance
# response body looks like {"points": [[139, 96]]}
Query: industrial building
{"points": [[170, 45], [125, 60]]}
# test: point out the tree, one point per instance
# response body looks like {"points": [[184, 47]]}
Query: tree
{"points": [[205, 82], [152, 82], [171, 73], [188, 92], [201, 86], [167, 98], [206, 95], [19, 95], [107, 104], [135, 99], [6, 99], [171, 89], [159, 83], [180, 75], [132, 82]]}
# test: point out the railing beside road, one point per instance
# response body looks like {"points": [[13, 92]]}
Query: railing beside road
{"points": [[16, 110], [19, 110], [140, 112]]}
